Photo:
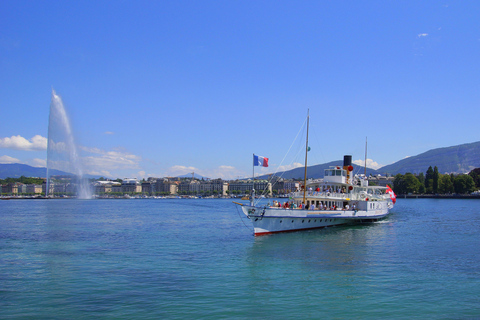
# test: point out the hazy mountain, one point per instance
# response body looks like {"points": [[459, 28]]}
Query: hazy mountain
{"points": [[189, 175], [16, 170], [317, 171], [457, 159]]}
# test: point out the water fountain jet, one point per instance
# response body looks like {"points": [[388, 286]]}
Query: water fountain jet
{"points": [[62, 152]]}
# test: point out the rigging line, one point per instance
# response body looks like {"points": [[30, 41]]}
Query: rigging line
{"points": [[278, 167], [242, 218], [301, 128]]}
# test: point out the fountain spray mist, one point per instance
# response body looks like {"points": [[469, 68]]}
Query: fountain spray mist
{"points": [[62, 152]]}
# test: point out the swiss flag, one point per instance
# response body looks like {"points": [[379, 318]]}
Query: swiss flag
{"points": [[392, 194]]}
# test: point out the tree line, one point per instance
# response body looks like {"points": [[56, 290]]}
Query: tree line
{"points": [[433, 182], [22, 179]]}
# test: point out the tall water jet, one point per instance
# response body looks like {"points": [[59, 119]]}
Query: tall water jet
{"points": [[62, 152]]}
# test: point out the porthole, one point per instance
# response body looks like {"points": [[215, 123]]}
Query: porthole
{"points": [[280, 221], [303, 221], [292, 221], [308, 221]]}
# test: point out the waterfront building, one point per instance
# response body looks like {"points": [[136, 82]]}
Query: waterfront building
{"points": [[285, 186], [116, 188], [189, 187], [44, 187], [166, 186], [102, 187], [215, 186], [11, 188], [131, 186], [33, 189], [148, 187], [245, 186], [381, 181]]}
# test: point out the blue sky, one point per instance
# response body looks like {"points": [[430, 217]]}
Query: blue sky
{"points": [[159, 88]]}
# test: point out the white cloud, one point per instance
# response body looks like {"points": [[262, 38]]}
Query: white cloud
{"points": [[38, 163], [370, 164], [102, 173], [224, 172], [20, 143], [108, 132], [181, 170], [289, 167], [8, 159], [102, 162], [422, 35]]}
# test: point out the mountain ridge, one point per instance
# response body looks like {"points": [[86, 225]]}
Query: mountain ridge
{"points": [[455, 159]]}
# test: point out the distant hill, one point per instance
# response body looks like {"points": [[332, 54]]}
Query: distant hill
{"points": [[457, 159], [189, 175], [16, 170], [316, 171]]}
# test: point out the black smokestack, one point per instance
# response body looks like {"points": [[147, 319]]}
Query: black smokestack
{"points": [[347, 161]]}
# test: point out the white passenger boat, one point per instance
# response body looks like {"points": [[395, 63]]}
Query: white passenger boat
{"points": [[341, 198]]}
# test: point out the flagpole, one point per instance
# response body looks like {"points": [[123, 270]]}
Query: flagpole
{"points": [[306, 153], [252, 198]]}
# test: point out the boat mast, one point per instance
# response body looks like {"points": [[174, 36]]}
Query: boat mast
{"points": [[306, 153], [365, 172]]}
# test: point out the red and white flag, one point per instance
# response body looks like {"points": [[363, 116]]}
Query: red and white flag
{"points": [[392, 194]]}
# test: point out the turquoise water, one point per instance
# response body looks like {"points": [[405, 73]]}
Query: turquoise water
{"points": [[168, 259]]}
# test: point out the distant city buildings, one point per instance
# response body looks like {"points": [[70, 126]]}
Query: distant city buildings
{"points": [[166, 186]]}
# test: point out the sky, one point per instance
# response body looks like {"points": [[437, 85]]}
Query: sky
{"points": [[165, 88]]}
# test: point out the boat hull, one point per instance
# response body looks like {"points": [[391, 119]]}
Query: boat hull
{"points": [[268, 220]]}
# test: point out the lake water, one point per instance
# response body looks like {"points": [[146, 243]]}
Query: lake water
{"points": [[196, 259]]}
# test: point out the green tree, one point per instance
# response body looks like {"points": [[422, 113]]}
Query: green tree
{"points": [[429, 180], [464, 184], [399, 184], [412, 184], [475, 174], [445, 184], [436, 176], [421, 178], [408, 183]]}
